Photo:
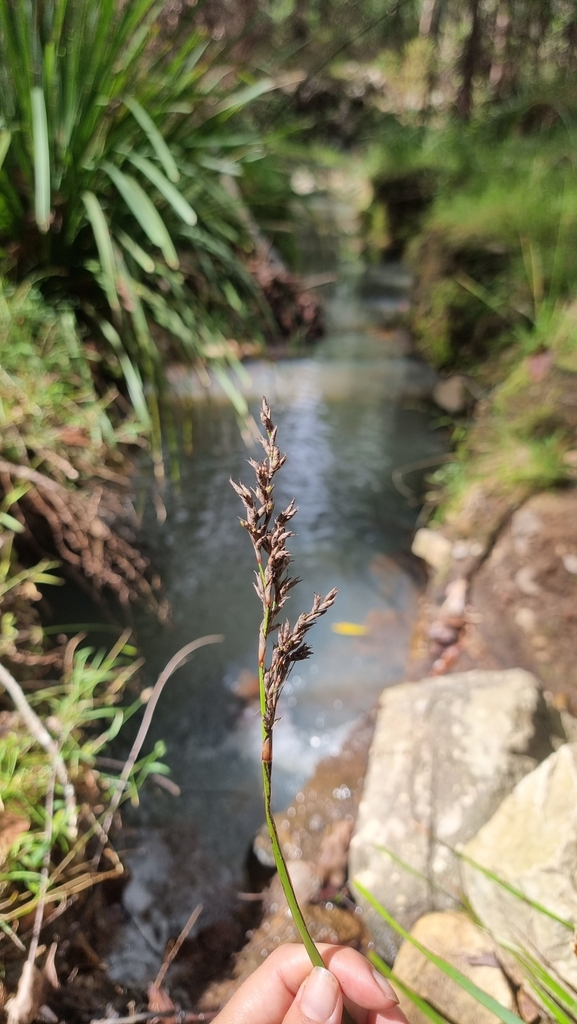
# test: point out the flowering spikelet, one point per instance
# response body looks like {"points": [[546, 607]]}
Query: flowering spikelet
{"points": [[273, 583]]}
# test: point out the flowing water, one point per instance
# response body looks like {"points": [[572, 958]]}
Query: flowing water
{"points": [[349, 411]]}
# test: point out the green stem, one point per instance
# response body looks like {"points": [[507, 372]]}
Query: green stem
{"points": [[315, 956], [280, 863]]}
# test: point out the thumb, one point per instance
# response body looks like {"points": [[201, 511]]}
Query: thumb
{"points": [[318, 1001]]}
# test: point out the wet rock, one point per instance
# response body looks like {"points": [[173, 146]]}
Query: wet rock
{"points": [[327, 805], [531, 842], [466, 549], [432, 547], [332, 864], [246, 686], [451, 394], [445, 753], [454, 937]]}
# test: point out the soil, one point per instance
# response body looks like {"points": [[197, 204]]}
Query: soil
{"points": [[526, 593], [520, 605]]}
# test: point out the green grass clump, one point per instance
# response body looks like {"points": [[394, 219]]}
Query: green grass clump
{"points": [[58, 434], [81, 711], [113, 145], [555, 996]]}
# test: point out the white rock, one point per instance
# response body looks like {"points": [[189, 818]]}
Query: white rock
{"points": [[456, 746], [432, 547], [455, 938], [570, 563], [531, 843], [526, 619]]}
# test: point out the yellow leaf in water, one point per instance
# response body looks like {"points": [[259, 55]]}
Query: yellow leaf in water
{"points": [[349, 629]]}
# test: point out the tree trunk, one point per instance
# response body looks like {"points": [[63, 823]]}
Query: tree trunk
{"points": [[431, 16], [469, 62]]}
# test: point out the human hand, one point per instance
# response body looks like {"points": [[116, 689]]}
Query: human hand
{"points": [[286, 989]]}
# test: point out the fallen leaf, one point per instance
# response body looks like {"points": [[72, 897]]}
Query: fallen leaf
{"points": [[159, 1001], [11, 827], [349, 629]]}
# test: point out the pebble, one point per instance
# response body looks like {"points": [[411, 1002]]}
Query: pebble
{"points": [[455, 596], [525, 581], [442, 633], [570, 563], [526, 619]]}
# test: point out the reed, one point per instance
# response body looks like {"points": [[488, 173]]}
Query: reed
{"points": [[273, 584]]}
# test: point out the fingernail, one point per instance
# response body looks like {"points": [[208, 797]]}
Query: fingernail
{"points": [[385, 987], [320, 994]]}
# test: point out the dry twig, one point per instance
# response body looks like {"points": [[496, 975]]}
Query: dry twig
{"points": [[181, 1017], [173, 951], [175, 662]]}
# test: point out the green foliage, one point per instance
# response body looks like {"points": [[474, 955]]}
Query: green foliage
{"points": [[49, 406], [110, 188], [81, 710], [556, 996], [501, 1012]]}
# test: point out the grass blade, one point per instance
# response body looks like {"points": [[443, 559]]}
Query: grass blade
{"points": [[131, 374], [5, 139], [237, 400], [246, 95], [154, 137], [103, 241], [144, 260], [145, 213], [557, 1013], [41, 159], [426, 1009], [417, 874], [503, 1014], [165, 187], [535, 971], [515, 892]]}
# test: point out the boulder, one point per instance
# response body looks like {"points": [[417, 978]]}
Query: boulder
{"points": [[454, 937], [445, 753], [531, 843]]}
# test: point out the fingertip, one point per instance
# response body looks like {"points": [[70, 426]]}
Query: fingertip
{"points": [[385, 987], [360, 982], [319, 995], [393, 1016]]}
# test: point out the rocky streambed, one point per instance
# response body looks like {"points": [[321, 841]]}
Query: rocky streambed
{"points": [[459, 792]]}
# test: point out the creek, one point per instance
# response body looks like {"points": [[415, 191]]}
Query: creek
{"points": [[349, 411]]}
